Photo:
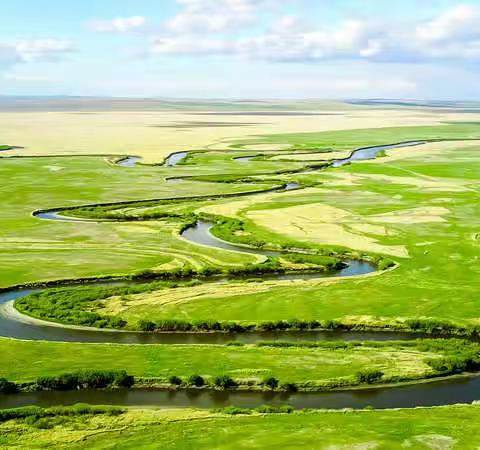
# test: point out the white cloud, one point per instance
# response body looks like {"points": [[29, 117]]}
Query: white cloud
{"points": [[216, 15], [461, 22], [453, 35], [191, 46], [119, 24], [43, 49], [37, 50]]}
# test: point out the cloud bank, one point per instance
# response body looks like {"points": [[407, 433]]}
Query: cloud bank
{"points": [[203, 27]]}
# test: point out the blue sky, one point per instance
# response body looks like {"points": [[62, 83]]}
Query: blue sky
{"points": [[241, 48]]}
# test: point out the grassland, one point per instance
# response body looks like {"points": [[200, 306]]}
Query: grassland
{"points": [[33, 249], [417, 210], [154, 133], [453, 427], [417, 207], [323, 366]]}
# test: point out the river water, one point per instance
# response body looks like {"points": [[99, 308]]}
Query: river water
{"points": [[461, 390]]}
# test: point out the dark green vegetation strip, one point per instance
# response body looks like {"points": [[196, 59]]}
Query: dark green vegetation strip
{"points": [[75, 410]]}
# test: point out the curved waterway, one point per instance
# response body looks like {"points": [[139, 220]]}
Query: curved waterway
{"points": [[16, 326], [174, 158], [171, 160], [13, 324], [128, 161], [366, 153], [435, 393]]}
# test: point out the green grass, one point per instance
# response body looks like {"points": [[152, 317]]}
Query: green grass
{"points": [[34, 250], [440, 279], [455, 427], [439, 252], [323, 365], [351, 139]]}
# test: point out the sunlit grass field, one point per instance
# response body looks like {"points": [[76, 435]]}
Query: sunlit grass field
{"points": [[316, 366], [415, 207], [419, 211], [422, 428]]}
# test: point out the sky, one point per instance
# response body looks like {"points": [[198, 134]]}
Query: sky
{"points": [[285, 49]]}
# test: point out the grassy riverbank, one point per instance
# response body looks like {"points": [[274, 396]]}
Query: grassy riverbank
{"points": [[310, 366], [452, 427]]}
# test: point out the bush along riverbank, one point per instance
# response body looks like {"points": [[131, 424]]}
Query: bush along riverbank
{"points": [[76, 306], [83, 379], [246, 233], [47, 418], [237, 231], [455, 357]]}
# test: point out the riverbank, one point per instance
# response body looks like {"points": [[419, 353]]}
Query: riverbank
{"points": [[452, 427]]}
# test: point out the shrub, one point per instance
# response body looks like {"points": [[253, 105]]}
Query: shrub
{"points": [[454, 364], [37, 412], [196, 380], [122, 379], [7, 387], [173, 325], [85, 379], [435, 326], [175, 380], [224, 381], [273, 409], [234, 410], [271, 383], [146, 325], [42, 423], [289, 387], [61, 382], [332, 325], [369, 376]]}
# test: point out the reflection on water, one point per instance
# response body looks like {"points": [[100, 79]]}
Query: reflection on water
{"points": [[363, 154], [129, 161], [175, 158], [464, 390]]}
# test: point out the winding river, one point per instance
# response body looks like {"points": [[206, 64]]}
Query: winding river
{"points": [[14, 325], [172, 160], [435, 393]]}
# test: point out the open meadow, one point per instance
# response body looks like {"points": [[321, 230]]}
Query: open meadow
{"points": [[421, 428], [270, 225]]}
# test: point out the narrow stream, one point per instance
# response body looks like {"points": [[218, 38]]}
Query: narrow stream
{"points": [[244, 159], [11, 326], [366, 153], [174, 158], [129, 161]]}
